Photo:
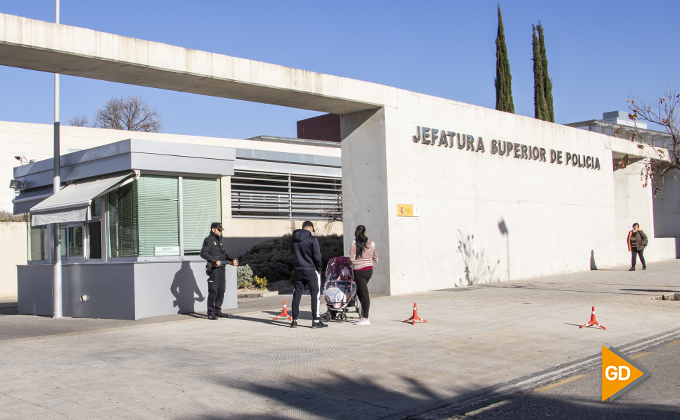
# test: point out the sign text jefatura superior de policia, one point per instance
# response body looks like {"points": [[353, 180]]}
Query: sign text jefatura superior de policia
{"points": [[451, 140]]}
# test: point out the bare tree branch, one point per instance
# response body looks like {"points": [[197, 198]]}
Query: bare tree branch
{"points": [[130, 113], [664, 112], [332, 213], [80, 121]]}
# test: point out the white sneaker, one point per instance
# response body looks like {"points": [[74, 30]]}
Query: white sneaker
{"points": [[363, 321]]}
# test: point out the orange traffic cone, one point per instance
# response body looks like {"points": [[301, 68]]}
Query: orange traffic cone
{"points": [[283, 314], [415, 316], [593, 321]]}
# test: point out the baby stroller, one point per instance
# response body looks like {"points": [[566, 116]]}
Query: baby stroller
{"points": [[341, 291]]}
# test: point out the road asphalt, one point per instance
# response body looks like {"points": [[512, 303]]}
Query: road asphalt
{"points": [[482, 344]]}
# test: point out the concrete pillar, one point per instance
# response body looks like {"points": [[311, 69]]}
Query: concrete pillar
{"points": [[364, 184]]}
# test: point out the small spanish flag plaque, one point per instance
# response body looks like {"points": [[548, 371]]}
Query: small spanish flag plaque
{"points": [[408, 210]]}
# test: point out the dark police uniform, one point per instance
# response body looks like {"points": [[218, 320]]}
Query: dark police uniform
{"points": [[212, 251]]}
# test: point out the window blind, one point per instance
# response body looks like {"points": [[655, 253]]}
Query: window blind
{"points": [[158, 213], [201, 206], [123, 221], [38, 243]]}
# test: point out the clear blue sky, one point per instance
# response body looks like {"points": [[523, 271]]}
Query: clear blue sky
{"points": [[599, 53]]}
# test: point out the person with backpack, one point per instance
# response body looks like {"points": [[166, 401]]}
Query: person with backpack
{"points": [[363, 254], [637, 241]]}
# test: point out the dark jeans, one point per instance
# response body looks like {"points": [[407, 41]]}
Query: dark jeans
{"points": [[306, 278], [634, 255], [361, 278], [216, 287]]}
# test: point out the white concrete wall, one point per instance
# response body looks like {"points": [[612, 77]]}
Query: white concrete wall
{"points": [[635, 204], [557, 216], [35, 141], [365, 188], [13, 252]]}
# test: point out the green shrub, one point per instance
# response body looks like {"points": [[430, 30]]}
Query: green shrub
{"points": [[274, 260], [260, 282], [271, 259], [331, 246], [244, 276]]}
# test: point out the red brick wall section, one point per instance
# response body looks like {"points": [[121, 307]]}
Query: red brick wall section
{"points": [[324, 127]]}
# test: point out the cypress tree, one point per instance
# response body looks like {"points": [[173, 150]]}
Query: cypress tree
{"points": [[547, 83], [540, 107], [503, 80]]}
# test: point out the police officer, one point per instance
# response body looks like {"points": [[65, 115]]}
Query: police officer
{"points": [[213, 251]]}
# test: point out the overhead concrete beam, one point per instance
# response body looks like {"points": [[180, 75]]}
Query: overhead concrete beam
{"points": [[44, 46]]}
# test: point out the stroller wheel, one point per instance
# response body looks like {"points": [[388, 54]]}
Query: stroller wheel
{"points": [[332, 315], [343, 316], [326, 317]]}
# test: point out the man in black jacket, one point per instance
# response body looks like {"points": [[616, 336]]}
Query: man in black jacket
{"points": [[213, 251], [305, 246]]}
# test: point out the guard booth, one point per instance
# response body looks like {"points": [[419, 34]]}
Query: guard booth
{"points": [[132, 215]]}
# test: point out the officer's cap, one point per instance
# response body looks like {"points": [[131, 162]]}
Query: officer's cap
{"points": [[217, 225]]}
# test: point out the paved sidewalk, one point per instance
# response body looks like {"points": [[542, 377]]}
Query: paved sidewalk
{"points": [[478, 339]]}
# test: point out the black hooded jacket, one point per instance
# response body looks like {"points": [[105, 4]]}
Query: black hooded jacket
{"points": [[306, 250]]}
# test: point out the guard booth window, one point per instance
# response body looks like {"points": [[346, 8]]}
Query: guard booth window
{"points": [[201, 206], [158, 215], [144, 215], [123, 236], [71, 241], [78, 240], [94, 229], [39, 246]]}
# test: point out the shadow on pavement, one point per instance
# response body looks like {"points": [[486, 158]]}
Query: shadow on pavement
{"points": [[533, 406], [195, 315], [358, 396], [651, 290], [281, 322], [351, 397]]}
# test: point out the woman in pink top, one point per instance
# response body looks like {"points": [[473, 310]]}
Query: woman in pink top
{"points": [[363, 255]]}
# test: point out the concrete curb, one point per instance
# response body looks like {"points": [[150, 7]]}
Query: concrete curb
{"points": [[257, 294]]}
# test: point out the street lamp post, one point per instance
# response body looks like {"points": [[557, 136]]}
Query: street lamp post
{"points": [[56, 239]]}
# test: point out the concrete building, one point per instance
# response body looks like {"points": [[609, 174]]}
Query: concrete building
{"points": [[618, 124], [275, 184], [133, 215], [452, 193], [320, 161]]}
